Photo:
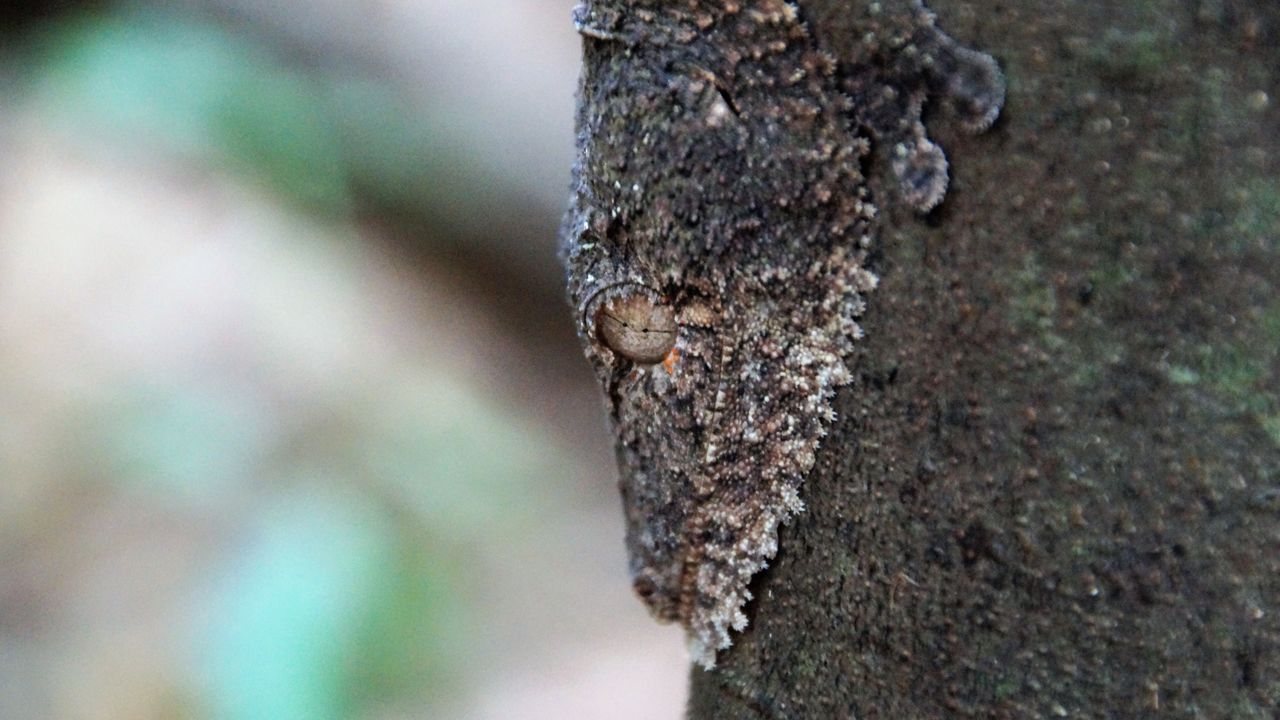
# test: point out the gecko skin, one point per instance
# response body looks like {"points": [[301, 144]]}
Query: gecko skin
{"points": [[715, 248]]}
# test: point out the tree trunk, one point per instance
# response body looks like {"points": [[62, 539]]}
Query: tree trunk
{"points": [[1054, 487]]}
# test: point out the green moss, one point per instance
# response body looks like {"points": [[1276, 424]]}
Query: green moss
{"points": [[1112, 278], [1035, 301], [1132, 57], [1246, 709], [1256, 223], [1270, 325], [1007, 688], [1234, 370], [1182, 375], [1238, 373], [1271, 425]]}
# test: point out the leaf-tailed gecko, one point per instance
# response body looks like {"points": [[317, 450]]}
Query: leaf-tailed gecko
{"points": [[716, 245]]}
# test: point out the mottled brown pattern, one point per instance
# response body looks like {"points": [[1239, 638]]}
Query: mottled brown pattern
{"points": [[743, 209]]}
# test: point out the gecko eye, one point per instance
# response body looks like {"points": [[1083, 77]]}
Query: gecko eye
{"points": [[632, 321]]}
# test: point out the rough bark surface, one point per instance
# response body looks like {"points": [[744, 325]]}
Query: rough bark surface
{"points": [[1054, 486]]}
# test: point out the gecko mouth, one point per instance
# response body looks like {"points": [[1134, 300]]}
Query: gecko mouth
{"points": [[662, 605]]}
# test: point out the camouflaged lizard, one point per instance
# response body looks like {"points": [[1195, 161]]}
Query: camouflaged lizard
{"points": [[716, 245]]}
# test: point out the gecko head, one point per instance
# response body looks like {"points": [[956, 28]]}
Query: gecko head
{"points": [[719, 389], [633, 336]]}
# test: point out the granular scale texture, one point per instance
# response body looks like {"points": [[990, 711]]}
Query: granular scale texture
{"points": [[716, 246]]}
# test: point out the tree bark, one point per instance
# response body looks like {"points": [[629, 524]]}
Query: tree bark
{"points": [[1054, 487]]}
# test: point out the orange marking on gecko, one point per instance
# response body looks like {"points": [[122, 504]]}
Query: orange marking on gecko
{"points": [[669, 362]]}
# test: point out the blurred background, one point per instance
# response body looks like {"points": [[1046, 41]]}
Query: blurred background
{"points": [[293, 421]]}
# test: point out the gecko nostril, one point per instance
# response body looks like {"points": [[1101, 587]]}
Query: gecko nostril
{"points": [[644, 587]]}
